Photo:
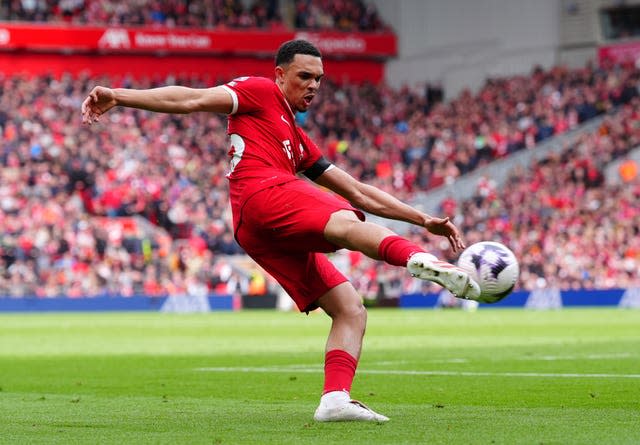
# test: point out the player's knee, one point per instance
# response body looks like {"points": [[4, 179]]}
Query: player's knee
{"points": [[343, 303], [354, 311]]}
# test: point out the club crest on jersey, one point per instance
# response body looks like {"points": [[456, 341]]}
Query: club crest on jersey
{"points": [[288, 150]]}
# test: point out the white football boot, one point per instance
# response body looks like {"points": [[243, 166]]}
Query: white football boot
{"points": [[337, 406], [427, 267]]}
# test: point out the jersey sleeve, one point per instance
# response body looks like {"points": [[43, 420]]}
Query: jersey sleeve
{"points": [[248, 93]]}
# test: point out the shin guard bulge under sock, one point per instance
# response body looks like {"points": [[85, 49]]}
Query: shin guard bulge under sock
{"points": [[396, 250], [339, 369]]}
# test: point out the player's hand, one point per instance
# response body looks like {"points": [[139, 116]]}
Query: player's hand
{"points": [[99, 101], [444, 227]]}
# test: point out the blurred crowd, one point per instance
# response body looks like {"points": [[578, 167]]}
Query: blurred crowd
{"points": [[569, 229], [61, 180], [58, 174], [343, 15], [410, 139], [166, 13]]}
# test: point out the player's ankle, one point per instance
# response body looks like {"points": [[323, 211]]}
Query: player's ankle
{"points": [[429, 256], [335, 398]]}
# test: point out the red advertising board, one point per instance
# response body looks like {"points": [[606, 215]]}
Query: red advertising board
{"points": [[626, 52], [254, 42], [215, 68]]}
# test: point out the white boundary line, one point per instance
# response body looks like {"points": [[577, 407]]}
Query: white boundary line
{"points": [[553, 358], [316, 370]]}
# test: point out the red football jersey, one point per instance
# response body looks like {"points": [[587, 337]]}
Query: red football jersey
{"points": [[267, 148]]}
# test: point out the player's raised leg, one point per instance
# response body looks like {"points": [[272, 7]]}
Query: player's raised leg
{"points": [[375, 241], [349, 320]]}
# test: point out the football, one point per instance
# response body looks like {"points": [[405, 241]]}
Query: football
{"points": [[494, 267]]}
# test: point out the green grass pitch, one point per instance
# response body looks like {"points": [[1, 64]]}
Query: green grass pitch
{"points": [[443, 377]]}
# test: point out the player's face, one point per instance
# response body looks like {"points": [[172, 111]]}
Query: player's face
{"points": [[300, 80]]}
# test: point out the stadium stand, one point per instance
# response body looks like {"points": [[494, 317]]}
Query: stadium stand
{"points": [[338, 14], [571, 229], [417, 145], [58, 178], [175, 13], [139, 203], [355, 15]]}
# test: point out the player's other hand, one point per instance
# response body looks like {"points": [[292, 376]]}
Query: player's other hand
{"points": [[99, 101], [444, 227]]}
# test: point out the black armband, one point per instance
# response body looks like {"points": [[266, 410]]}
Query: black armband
{"points": [[318, 168]]}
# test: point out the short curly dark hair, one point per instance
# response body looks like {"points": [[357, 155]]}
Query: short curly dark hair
{"points": [[289, 49]]}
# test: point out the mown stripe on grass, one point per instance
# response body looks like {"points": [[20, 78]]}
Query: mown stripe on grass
{"points": [[433, 373]]}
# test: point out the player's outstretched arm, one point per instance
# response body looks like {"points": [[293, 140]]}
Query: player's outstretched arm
{"points": [[377, 202], [170, 99]]}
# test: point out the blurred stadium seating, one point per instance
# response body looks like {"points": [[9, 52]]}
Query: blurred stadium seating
{"points": [[193, 13], [138, 203], [354, 15]]}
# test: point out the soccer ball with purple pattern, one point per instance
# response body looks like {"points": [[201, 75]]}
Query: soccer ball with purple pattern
{"points": [[493, 266]]}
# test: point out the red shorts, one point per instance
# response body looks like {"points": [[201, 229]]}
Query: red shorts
{"points": [[282, 229]]}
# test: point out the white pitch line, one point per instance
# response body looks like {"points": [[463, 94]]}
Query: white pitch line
{"points": [[427, 373], [404, 362], [533, 358], [553, 358]]}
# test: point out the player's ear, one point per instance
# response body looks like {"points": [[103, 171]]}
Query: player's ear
{"points": [[279, 74]]}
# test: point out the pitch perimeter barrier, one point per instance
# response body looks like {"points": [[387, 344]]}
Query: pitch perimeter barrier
{"points": [[537, 299], [181, 303]]}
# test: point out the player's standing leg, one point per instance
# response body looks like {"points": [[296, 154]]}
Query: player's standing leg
{"points": [[348, 324]]}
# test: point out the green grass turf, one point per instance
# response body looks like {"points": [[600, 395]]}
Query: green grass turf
{"points": [[444, 377]]}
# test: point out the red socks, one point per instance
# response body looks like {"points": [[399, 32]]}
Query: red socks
{"points": [[396, 250], [339, 369]]}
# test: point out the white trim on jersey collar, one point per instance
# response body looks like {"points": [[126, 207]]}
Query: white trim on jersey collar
{"points": [[234, 98]]}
